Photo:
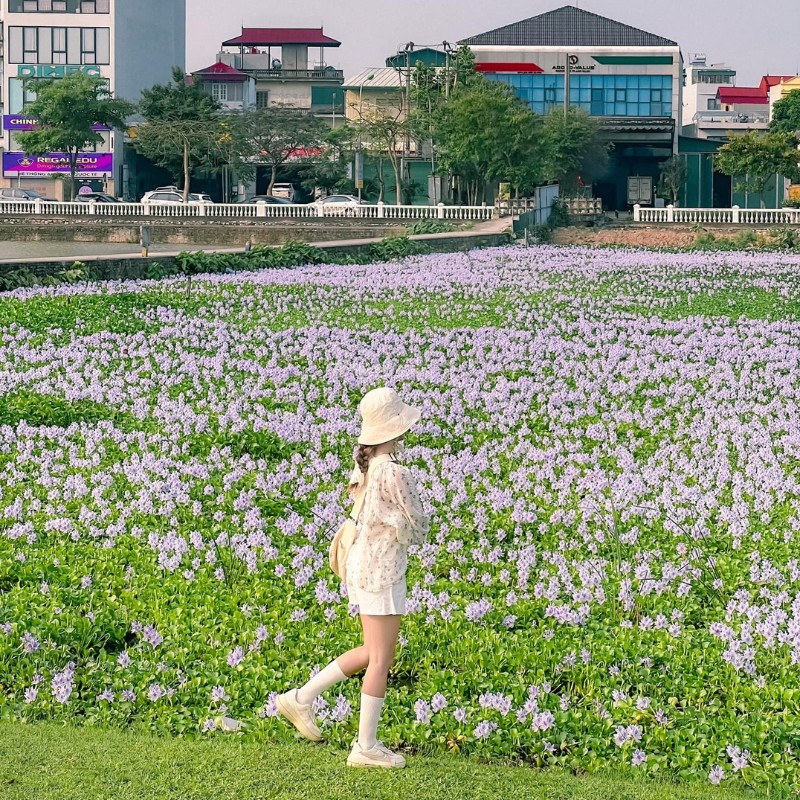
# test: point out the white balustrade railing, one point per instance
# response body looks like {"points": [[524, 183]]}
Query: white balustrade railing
{"points": [[246, 210], [718, 216]]}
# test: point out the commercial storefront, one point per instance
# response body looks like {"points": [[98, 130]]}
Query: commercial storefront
{"points": [[131, 45], [631, 80]]}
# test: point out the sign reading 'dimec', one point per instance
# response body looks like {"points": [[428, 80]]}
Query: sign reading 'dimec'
{"points": [[55, 71]]}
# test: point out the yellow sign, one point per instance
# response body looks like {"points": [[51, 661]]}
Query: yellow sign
{"points": [[794, 192]]}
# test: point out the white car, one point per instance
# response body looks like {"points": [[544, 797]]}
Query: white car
{"points": [[166, 195], [284, 190], [340, 205]]}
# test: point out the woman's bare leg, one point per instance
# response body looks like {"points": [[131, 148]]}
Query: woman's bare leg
{"points": [[380, 640], [354, 660]]}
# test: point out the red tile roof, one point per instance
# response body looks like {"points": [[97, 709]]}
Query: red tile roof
{"points": [[275, 37], [773, 80], [751, 96], [220, 71]]}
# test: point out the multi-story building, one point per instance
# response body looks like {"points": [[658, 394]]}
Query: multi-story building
{"points": [[778, 89], [631, 80], [713, 104], [280, 60], [132, 45]]}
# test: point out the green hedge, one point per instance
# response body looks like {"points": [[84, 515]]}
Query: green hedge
{"points": [[292, 254]]}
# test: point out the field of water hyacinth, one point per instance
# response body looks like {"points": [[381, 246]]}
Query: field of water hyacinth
{"points": [[610, 452]]}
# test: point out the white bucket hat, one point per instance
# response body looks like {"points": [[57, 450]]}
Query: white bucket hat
{"points": [[384, 416]]}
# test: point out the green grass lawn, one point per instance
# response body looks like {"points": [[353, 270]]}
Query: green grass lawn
{"points": [[49, 761]]}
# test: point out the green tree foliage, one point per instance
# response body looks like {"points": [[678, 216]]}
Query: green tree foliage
{"points": [[786, 114], [753, 158], [182, 129], [486, 133], [574, 149], [67, 110], [272, 136], [673, 177]]}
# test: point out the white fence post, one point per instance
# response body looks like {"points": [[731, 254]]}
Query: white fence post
{"points": [[637, 213], [380, 209], [735, 210], [321, 210], [261, 209], [440, 211], [670, 213]]}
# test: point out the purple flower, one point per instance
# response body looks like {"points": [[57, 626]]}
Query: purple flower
{"points": [[30, 644], [209, 725], [30, 694], [61, 683], [460, 714], [422, 710], [152, 636], [639, 758], [483, 730], [124, 659], [155, 692], [716, 775], [235, 657], [218, 694], [438, 702]]}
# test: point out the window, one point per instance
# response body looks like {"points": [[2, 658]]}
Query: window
{"points": [[712, 104], [598, 95], [45, 45], [219, 91], [262, 99], [60, 6]]}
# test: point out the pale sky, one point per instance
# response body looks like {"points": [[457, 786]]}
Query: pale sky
{"points": [[756, 37]]}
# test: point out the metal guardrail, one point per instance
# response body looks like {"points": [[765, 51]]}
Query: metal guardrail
{"points": [[245, 211], [718, 216]]}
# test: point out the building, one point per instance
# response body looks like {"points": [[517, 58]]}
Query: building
{"points": [[700, 89], [132, 45], [713, 106], [233, 89], [280, 62], [631, 80], [780, 88]]}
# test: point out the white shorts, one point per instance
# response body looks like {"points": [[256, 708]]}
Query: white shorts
{"points": [[386, 602]]}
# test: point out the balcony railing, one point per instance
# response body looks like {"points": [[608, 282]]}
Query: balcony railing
{"points": [[335, 75], [722, 119]]}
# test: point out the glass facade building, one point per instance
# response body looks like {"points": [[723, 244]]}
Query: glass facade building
{"points": [[597, 95]]}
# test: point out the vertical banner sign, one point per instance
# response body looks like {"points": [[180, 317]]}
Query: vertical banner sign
{"points": [[359, 169]]}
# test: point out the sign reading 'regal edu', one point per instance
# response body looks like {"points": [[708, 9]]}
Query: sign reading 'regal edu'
{"points": [[89, 165]]}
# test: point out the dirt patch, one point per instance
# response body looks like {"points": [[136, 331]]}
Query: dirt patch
{"points": [[651, 236]]}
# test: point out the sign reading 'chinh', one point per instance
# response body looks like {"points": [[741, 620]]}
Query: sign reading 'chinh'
{"points": [[56, 70], [88, 165]]}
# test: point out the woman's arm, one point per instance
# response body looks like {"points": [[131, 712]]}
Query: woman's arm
{"points": [[400, 491]]}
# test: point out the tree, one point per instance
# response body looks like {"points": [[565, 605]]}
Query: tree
{"points": [[753, 158], [68, 111], [182, 129], [786, 114], [575, 151], [383, 132], [486, 133], [673, 177], [272, 136]]}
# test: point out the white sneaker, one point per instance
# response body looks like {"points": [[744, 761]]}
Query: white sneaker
{"points": [[377, 756], [301, 716]]}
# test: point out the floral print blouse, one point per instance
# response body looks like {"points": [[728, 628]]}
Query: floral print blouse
{"points": [[391, 520]]}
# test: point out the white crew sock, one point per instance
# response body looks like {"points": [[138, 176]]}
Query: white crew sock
{"points": [[323, 680], [368, 722]]}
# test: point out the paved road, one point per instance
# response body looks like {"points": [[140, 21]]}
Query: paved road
{"points": [[20, 250]]}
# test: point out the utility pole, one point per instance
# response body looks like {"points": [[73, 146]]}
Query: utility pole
{"points": [[566, 85]]}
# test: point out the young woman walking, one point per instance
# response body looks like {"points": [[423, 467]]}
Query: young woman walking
{"points": [[391, 519]]}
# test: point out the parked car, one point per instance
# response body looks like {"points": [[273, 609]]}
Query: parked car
{"points": [[166, 195], [285, 190], [22, 196], [97, 197], [344, 205], [269, 199]]}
